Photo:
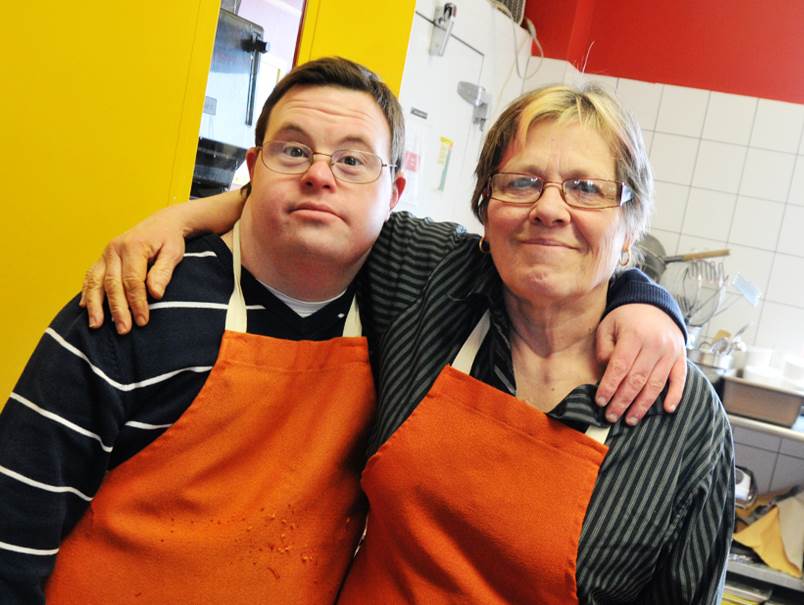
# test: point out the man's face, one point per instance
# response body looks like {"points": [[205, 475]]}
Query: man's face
{"points": [[313, 213]]}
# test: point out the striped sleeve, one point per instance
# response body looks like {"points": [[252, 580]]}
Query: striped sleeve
{"points": [[87, 401], [692, 566], [57, 432], [402, 261]]}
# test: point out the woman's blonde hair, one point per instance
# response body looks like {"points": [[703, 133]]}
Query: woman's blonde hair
{"points": [[590, 106]]}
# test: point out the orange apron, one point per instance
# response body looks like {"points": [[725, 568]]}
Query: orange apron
{"points": [[252, 496], [476, 498]]}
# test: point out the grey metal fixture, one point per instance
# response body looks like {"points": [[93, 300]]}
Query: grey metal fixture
{"points": [[477, 97], [443, 21]]}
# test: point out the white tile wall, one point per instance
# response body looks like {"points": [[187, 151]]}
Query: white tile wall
{"points": [[780, 328], [785, 280], [756, 223], [719, 166], [777, 126], [548, 71], [791, 239], [682, 111], [796, 195], [767, 174], [671, 201], [709, 214], [729, 118], [643, 99], [673, 157]]}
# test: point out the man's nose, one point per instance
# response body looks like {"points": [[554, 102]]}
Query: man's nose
{"points": [[319, 174]]}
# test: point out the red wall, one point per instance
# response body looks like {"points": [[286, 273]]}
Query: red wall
{"points": [[747, 47]]}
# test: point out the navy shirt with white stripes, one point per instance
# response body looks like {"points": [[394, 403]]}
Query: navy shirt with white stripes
{"points": [[89, 399]]}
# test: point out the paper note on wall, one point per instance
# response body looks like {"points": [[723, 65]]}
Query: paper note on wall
{"points": [[444, 153]]}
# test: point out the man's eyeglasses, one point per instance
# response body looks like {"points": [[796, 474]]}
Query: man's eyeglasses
{"points": [[593, 194], [348, 165]]}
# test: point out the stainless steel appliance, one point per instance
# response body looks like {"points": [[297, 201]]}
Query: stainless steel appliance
{"points": [[227, 125]]}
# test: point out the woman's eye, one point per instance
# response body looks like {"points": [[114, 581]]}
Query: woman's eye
{"points": [[585, 187], [521, 184]]}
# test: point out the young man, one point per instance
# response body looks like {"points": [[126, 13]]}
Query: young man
{"points": [[214, 455]]}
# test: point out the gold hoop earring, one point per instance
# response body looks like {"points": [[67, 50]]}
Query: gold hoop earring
{"points": [[625, 257], [483, 245]]}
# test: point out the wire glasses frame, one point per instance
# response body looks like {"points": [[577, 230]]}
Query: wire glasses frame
{"points": [[347, 165], [590, 194]]}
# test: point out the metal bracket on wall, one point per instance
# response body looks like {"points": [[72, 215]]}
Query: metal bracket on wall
{"points": [[443, 21], [477, 97]]}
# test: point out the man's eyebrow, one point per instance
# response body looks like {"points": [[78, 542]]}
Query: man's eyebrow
{"points": [[349, 141], [356, 140], [292, 129]]}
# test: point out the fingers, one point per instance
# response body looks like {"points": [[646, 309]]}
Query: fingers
{"points": [[623, 376], [657, 379], [133, 269], [678, 377], [92, 293], [161, 272], [116, 296]]}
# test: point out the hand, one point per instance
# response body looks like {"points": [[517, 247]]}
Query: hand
{"points": [[644, 348], [120, 274]]}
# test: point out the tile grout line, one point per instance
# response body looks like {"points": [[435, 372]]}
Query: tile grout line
{"points": [[694, 167]]}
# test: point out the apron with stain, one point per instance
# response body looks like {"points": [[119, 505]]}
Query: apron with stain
{"points": [[251, 496], [476, 498]]}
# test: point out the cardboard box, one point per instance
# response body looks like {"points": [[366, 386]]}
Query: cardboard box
{"points": [[774, 404]]}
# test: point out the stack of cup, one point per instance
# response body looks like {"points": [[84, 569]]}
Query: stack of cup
{"points": [[757, 366]]}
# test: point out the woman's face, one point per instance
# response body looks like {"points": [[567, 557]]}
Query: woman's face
{"points": [[550, 252]]}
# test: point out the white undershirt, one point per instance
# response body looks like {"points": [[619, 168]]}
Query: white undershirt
{"points": [[302, 308]]}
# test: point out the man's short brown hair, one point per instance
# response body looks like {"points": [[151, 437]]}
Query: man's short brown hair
{"points": [[343, 73]]}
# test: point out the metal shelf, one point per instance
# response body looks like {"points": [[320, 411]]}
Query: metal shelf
{"points": [[757, 571]]}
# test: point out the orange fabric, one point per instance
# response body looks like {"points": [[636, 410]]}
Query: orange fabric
{"points": [[252, 496], [477, 498]]}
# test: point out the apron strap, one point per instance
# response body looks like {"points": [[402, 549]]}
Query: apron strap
{"points": [[598, 433], [466, 357], [353, 326], [236, 314]]}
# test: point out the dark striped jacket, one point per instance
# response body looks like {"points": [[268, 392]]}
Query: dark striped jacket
{"points": [[659, 524]]}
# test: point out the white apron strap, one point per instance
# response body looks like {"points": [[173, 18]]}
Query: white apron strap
{"points": [[236, 314], [466, 357], [353, 326], [598, 433]]}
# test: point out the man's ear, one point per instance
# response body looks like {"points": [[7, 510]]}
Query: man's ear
{"points": [[251, 160], [397, 187]]}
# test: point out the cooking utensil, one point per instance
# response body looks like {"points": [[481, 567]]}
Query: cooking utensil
{"points": [[699, 287], [655, 260]]}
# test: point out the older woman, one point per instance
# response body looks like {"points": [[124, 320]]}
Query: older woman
{"points": [[499, 483]]}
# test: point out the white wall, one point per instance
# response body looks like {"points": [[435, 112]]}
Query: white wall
{"points": [[481, 51]]}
